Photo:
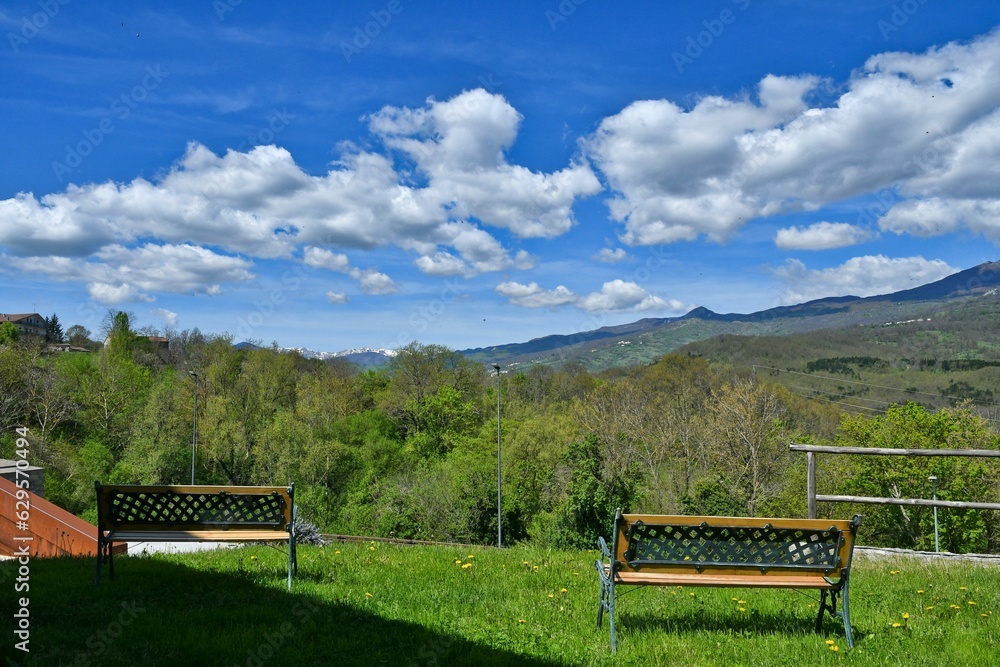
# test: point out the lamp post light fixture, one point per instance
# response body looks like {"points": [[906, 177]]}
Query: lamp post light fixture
{"points": [[496, 367], [194, 423], [933, 480]]}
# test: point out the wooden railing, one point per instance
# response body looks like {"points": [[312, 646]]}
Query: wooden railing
{"points": [[812, 450]]}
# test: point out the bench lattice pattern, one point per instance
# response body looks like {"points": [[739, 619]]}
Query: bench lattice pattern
{"points": [[173, 508], [762, 547]]}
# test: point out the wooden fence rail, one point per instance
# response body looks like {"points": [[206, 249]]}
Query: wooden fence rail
{"points": [[812, 450]]}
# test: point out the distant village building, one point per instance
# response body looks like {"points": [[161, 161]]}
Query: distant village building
{"points": [[29, 324]]}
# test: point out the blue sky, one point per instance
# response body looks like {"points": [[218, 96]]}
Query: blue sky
{"points": [[374, 173]]}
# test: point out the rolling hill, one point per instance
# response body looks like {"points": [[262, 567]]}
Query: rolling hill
{"points": [[645, 340]]}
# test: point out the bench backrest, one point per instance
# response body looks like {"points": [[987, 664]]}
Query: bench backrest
{"points": [[187, 508], [733, 545]]}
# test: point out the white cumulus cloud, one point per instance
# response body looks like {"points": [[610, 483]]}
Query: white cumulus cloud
{"points": [[869, 275], [821, 236]]}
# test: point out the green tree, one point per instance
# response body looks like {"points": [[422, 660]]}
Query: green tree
{"points": [[79, 336], [911, 426], [9, 334], [591, 496], [53, 330]]}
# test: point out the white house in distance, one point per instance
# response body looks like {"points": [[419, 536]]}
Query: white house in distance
{"points": [[29, 324]]}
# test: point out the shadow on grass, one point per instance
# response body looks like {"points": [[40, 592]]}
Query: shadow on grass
{"points": [[750, 623], [161, 613]]}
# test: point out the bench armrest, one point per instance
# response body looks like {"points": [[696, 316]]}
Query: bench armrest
{"points": [[605, 551]]}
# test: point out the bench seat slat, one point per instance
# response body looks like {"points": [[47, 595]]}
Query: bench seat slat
{"points": [[722, 580]]}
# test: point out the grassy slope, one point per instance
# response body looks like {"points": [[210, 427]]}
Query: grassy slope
{"points": [[377, 604], [959, 328]]}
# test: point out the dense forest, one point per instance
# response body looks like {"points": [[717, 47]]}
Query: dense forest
{"points": [[410, 450]]}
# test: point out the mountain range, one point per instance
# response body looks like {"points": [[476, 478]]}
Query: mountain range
{"points": [[647, 339]]}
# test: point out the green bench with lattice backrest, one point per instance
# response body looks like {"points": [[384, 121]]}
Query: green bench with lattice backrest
{"points": [[131, 513], [724, 552]]}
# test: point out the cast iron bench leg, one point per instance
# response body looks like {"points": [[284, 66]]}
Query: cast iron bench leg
{"points": [[846, 612]]}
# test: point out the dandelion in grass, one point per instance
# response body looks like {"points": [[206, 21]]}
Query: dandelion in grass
{"points": [[371, 548], [735, 599], [534, 567], [905, 616], [972, 602], [551, 595], [563, 590], [692, 594], [920, 591], [894, 571], [337, 551], [834, 648], [466, 566], [471, 556], [830, 642], [955, 606], [521, 620], [743, 608], [458, 561], [253, 558], [931, 607], [369, 595], [576, 574], [897, 625], [962, 588], [742, 602]]}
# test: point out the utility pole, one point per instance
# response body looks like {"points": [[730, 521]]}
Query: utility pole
{"points": [[496, 367]]}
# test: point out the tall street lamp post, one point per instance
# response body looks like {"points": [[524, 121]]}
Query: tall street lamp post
{"points": [[496, 367], [194, 423]]}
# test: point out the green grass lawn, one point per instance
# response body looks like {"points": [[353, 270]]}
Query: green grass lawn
{"points": [[381, 604]]}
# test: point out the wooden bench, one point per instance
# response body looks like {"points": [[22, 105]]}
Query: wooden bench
{"points": [[194, 514], [738, 552]]}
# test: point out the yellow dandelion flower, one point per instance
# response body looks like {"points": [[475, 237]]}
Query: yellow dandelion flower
{"points": [[525, 563], [735, 599], [679, 587], [471, 556], [962, 588], [369, 595], [337, 551], [905, 615], [830, 642], [371, 548], [972, 602], [458, 561], [955, 606], [920, 591], [551, 595], [576, 574], [520, 620], [534, 567], [692, 594], [467, 566], [897, 625], [743, 608], [673, 592], [928, 608], [563, 590], [742, 602], [834, 648], [253, 558]]}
